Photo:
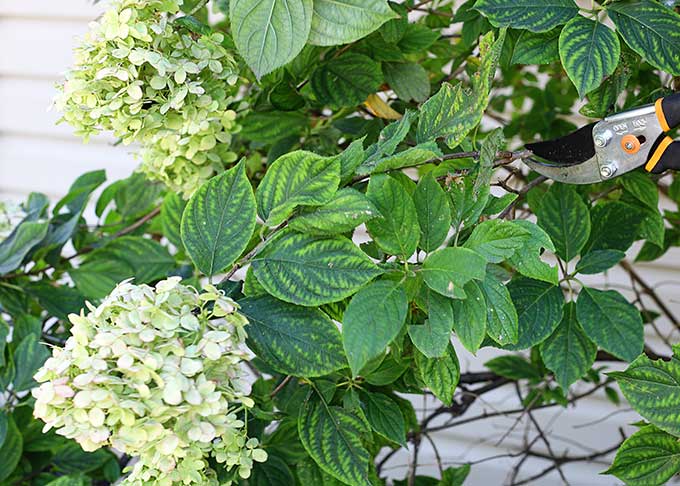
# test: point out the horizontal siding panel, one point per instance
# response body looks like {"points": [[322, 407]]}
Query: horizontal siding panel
{"points": [[50, 166], [45, 46], [55, 10]]}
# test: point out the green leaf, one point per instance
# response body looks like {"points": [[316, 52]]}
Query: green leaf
{"points": [[589, 51], [469, 317], [641, 187], [467, 204], [373, 318], [298, 178], [396, 231], [4, 333], [311, 271], [148, 259], [539, 310], [514, 368], [73, 459], [297, 341], [332, 437], [347, 209], [537, 48], [309, 473], [70, 480], [350, 159], [434, 213], [17, 245], [409, 81], [611, 322], [651, 30], [433, 336], [610, 215], [337, 22], [346, 80], [501, 316], [268, 127], [533, 15], [410, 157], [497, 204], [4, 425], [652, 387], [273, 472], [10, 452], [171, 218], [28, 357], [97, 278], [136, 195], [497, 239], [447, 270], [219, 220], [269, 33], [453, 112], [598, 261], [440, 375], [649, 457], [455, 476], [528, 261], [564, 216], [385, 416], [568, 352]]}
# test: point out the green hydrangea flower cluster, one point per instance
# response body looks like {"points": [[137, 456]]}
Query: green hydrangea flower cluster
{"points": [[155, 373], [11, 215], [151, 81]]}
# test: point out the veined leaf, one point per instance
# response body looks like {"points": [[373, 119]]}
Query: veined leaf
{"points": [[611, 322], [533, 15], [501, 316], [610, 215], [269, 126], [649, 457], [448, 270], [346, 80], [10, 450], [434, 213], [598, 261], [565, 217], [497, 240], [642, 187], [528, 261], [337, 22], [273, 472], [440, 375], [373, 318], [589, 51], [345, 211], [652, 387], [396, 230], [298, 341], [171, 218], [19, 243], [514, 367], [410, 157], [539, 310], [270, 33], [219, 220], [453, 112], [568, 352], [651, 30], [298, 178], [385, 417], [28, 357], [467, 204], [409, 81], [332, 437], [311, 271], [432, 337], [469, 317], [537, 48]]}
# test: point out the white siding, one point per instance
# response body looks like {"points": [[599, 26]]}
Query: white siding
{"points": [[37, 36]]}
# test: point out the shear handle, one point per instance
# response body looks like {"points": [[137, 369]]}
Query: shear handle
{"points": [[668, 111], [666, 155]]}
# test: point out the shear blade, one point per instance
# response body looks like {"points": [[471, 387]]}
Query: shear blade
{"points": [[575, 148], [587, 172]]}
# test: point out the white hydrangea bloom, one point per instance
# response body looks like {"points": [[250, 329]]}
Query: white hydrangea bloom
{"points": [[155, 373], [11, 215], [148, 80]]}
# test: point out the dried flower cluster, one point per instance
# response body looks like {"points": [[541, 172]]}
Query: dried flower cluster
{"points": [[155, 373], [149, 80]]}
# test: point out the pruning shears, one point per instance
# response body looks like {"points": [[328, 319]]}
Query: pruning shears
{"points": [[613, 146]]}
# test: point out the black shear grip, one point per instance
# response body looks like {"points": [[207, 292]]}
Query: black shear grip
{"points": [[668, 111], [665, 155]]}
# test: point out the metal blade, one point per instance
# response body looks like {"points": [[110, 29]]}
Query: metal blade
{"points": [[575, 148], [587, 172]]}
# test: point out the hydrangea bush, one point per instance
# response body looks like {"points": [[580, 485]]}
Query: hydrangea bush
{"points": [[366, 235]]}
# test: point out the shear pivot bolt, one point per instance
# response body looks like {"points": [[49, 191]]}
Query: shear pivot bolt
{"points": [[602, 139], [607, 171]]}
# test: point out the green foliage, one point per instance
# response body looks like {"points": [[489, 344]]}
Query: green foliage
{"points": [[372, 222]]}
